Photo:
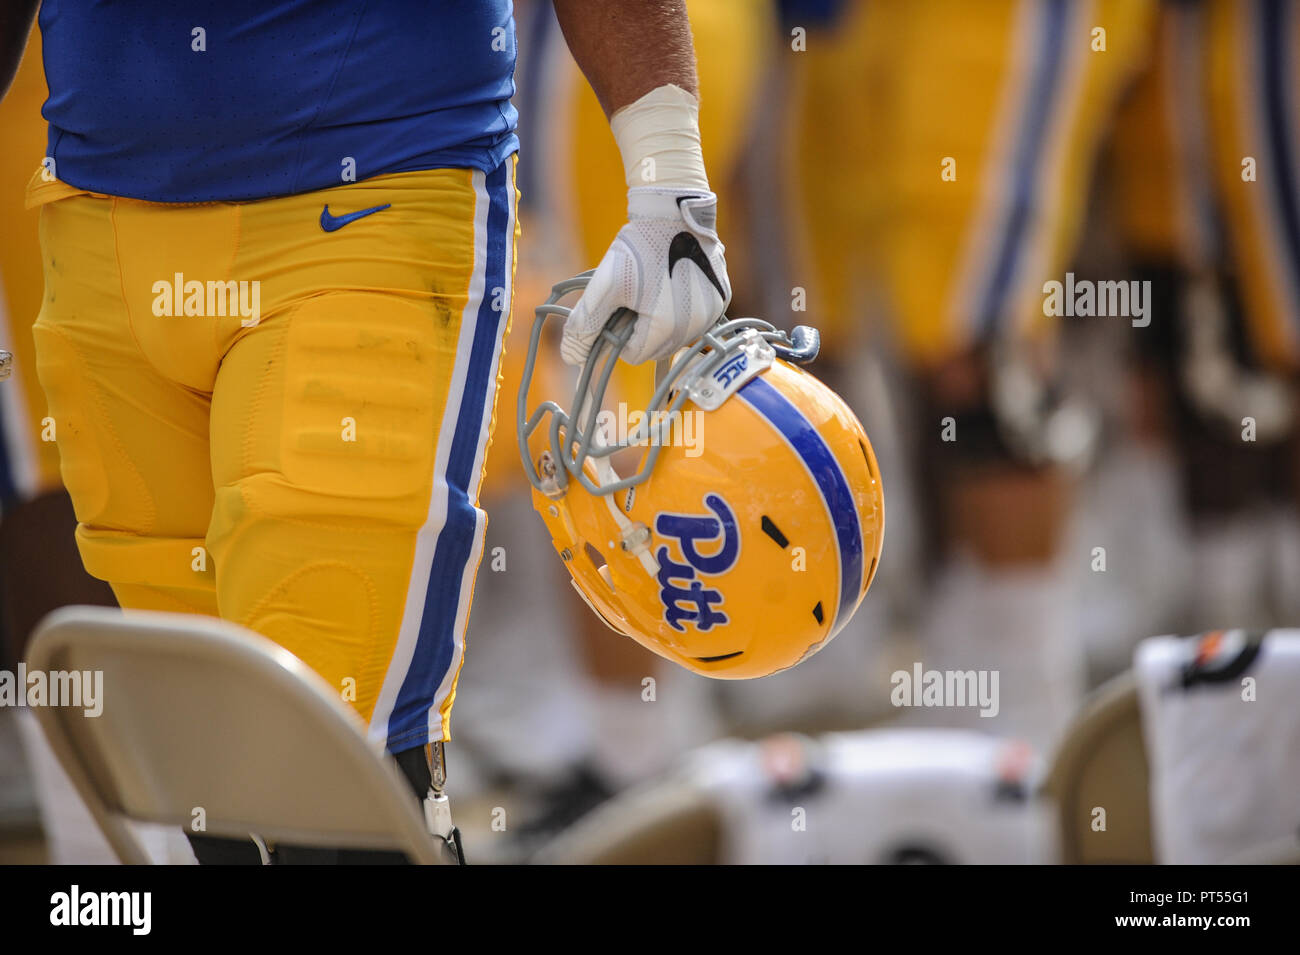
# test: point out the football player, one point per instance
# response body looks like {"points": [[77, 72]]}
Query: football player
{"points": [[1208, 201], [278, 247], [946, 208]]}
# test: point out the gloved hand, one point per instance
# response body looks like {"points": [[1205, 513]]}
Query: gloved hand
{"points": [[666, 265]]}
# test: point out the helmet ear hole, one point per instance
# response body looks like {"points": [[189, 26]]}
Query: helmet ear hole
{"points": [[866, 456], [601, 565], [596, 557]]}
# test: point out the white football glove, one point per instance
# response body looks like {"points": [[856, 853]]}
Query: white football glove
{"points": [[666, 265]]}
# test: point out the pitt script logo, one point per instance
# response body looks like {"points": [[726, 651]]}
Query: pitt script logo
{"points": [[684, 596]]}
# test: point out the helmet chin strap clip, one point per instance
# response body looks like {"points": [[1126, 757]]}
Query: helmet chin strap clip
{"points": [[550, 483], [636, 541], [635, 536]]}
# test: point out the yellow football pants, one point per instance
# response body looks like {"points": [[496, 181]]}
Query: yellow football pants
{"points": [[1253, 107], [1205, 160], [942, 152], [285, 426]]}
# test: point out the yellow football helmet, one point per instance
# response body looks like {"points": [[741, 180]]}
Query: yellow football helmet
{"points": [[752, 528]]}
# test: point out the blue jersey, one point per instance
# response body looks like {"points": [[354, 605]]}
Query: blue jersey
{"points": [[245, 99]]}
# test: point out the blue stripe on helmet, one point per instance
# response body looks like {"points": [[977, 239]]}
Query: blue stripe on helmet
{"points": [[804, 439]]}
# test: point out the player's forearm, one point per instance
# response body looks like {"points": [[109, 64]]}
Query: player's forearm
{"points": [[626, 49], [15, 24], [640, 61]]}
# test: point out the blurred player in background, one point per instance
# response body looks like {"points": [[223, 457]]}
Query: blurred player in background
{"points": [[984, 120], [1206, 170], [810, 182], [40, 568], [35, 509]]}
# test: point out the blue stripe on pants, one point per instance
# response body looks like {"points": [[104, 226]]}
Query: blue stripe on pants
{"points": [[435, 647]]}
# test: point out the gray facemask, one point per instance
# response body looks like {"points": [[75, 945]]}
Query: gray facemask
{"points": [[706, 373]]}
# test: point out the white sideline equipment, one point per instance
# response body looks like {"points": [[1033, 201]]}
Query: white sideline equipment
{"points": [[1222, 733], [206, 724], [871, 796]]}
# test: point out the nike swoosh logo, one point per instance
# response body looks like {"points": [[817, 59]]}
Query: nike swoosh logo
{"points": [[333, 223], [686, 246]]}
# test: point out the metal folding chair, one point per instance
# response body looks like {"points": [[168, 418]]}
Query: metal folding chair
{"points": [[204, 721], [1102, 762]]}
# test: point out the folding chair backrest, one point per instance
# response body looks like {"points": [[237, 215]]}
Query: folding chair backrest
{"points": [[664, 823], [1102, 765], [202, 719]]}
